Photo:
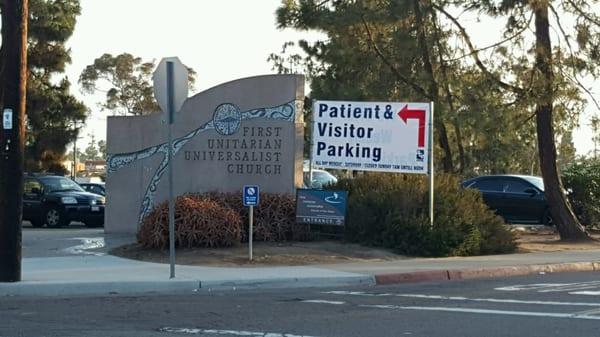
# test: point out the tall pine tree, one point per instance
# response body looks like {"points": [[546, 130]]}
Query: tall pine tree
{"points": [[52, 112]]}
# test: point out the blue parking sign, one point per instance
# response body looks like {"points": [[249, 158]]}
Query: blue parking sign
{"points": [[251, 195]]}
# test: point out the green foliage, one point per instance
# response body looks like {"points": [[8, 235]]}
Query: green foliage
{"points": [[127, 82], [582, 180], [391, 210], [490, 130], [52, 111]]}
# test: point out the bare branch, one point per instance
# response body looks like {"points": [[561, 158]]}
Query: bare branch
{"points": [[517, 90], [574, 79], [581, 12], [394, 70], [562, 30], [517, 34]]}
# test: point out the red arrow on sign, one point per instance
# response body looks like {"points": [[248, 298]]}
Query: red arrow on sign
{"points": [[407, 113]]}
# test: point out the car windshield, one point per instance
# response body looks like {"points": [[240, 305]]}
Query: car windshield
{"points": [[57, 184], [536, 181]]}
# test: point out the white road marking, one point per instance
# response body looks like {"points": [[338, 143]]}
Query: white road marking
{"points": [[590, 293], [486, 311], [324, 302], [86, 245], [535, 286], [461, 298], [574, 286], [195, 331], [552, 287], [589, 312]]}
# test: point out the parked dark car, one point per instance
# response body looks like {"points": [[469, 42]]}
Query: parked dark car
{"points": [[56, 201], [516, 198], [96, 188]]}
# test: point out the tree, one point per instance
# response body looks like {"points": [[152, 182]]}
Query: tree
{"points": [[548, 62], [91, 151], [595, 125], [102, 149], [478, 129], [495, 112], [369, 45], [51, 109], [126, 81]]}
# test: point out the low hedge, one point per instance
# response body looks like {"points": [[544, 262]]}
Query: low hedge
{"points": [[582, 180], [199, 222], [220, 220], [391, 210]]}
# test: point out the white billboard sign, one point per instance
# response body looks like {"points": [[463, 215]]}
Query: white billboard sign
{"points": [[371, 136]]}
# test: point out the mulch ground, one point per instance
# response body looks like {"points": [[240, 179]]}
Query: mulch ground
{"points": [[324, 252]]}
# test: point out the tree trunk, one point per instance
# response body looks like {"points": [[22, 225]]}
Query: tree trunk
{"points": [[565, 221], [448, 166], [13, 79]]}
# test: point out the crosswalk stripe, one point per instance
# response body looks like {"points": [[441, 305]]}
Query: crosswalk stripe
{"points": [[486, 311], [461, 298]]}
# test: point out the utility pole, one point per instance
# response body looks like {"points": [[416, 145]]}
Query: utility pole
{"points": [[13, 81]]}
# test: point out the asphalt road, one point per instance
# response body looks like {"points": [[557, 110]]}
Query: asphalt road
{"points": [[75, 239], [540, 305]]}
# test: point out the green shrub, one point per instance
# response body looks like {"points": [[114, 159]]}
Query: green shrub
{"points": [[582, 180], [391, 210]]}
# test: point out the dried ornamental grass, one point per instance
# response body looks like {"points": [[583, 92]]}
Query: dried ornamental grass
{"points": [[199, 222]]}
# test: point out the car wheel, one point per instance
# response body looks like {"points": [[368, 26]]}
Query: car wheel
{"points": [[55, 217], [547, 219]]}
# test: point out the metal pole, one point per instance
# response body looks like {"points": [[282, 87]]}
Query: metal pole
{"points": [[431, 167], [250, 230], [170, 97], [311, 122], [75, 156]]}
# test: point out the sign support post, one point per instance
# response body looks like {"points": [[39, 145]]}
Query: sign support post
{"points": [[431, 167], [170, 89], [170, 112], [250, 230], [250, 198]]}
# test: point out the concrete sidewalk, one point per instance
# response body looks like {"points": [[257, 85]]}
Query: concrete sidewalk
{"points": [[105, 274]]}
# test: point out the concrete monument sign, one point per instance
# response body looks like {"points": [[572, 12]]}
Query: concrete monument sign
{"points": [[244, 132]]}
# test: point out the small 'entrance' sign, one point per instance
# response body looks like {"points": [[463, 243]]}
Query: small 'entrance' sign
{"points": [[321, 207]]}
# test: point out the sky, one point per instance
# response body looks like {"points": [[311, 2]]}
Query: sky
{"points": [[221, 40]]}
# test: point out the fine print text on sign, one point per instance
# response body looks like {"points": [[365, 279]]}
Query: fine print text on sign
{"points": [[7, 119], [251, 195], [371, 136], [321, 207]]}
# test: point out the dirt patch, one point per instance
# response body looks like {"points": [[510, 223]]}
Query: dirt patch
{"points": [[548, 240], [530, 240], [264, 253]]}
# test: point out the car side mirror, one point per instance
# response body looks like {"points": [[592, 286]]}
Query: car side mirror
{"points": [[531, 191]]}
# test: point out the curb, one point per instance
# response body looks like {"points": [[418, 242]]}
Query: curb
{"points": [[309, 282], [467, 274], [57, 288], [65, 288]]}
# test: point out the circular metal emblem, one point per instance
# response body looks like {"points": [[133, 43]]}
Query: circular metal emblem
{"points": [[227, 119]]}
